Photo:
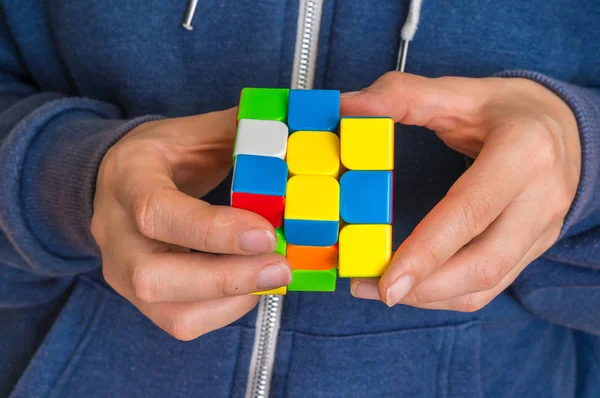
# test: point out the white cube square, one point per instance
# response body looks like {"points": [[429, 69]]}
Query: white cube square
{"points": [[262, 138]]}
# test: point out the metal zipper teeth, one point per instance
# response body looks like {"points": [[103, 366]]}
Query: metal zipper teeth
{"points": [[270, 306], [263, 355], [307, 40]]}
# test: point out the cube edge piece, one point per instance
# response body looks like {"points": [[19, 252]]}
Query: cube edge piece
{"points": [[304, 286], [269, 131], [349, 199], [235, 184], [336, 94]]}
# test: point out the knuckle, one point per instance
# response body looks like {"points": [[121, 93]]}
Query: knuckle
{"points": [[225, 284], [146, 206], [207, 236], [489, 274], [108, 275], [474, 212], [144, 284], [180, 326], [471, 302], [97, 230], [539, 145]]}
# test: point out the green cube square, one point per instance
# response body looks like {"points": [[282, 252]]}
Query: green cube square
{"points": [[281, 246], [304, 280], [264, 104]]}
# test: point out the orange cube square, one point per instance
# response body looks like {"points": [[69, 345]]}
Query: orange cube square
{"points": [[313, 257]]}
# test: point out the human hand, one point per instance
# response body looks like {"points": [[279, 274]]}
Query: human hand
{"points": [[146, 215], [505, 211]]}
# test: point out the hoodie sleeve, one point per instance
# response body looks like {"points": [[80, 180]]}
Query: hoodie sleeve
{"points": [[51, 146], [563, 286]]}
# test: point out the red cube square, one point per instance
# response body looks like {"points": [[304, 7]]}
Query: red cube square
{"points": [[268, 206]]}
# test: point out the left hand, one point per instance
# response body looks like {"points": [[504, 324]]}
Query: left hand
{"points": [[504, 212]]}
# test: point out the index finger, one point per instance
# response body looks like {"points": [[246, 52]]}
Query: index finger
{"points": [[161, 212]]}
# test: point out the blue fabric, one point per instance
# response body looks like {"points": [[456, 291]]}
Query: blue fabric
{"points": [[75, 76]]}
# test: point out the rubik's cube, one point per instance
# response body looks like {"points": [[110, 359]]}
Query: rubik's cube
{"points": [[324, 182]]}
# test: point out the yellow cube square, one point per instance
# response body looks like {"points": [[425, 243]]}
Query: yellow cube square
{"points": [[312, 198], [313, 153], [364, 250], [279, 291], [367, 143]]}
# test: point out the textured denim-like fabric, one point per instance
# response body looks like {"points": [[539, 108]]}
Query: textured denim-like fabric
{"points": [[77, 75]]}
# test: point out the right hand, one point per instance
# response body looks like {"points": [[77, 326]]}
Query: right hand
{"points": [[147, 215]]}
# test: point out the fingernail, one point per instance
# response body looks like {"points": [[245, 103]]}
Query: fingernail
{"points": [[257, 241], [273, 276], [351, 94], [399, 289], [364, 290]]}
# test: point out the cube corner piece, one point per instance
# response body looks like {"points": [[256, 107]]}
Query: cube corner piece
{"points": [[263, 104], [367, 143], [281, 291], [364, 250]]}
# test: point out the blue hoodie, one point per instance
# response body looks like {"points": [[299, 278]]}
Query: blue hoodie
{"points": [[77, 75]]}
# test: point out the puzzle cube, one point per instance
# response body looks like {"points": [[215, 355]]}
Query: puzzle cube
{"points": [[313, 257], [367, 143], [314, 153], [311, 215], [263, 104], [366, 197], [259, 175], [314, 110], [304, 280], [281, 248], [295, 178], [261, 137], [365, 250], [269, 206]]}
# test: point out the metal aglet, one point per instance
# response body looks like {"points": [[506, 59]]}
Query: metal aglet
{"points": [[189, 14], [402, 52]]}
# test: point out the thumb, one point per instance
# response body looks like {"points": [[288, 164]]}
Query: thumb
{"points": [[214, 128], [435, 103]]}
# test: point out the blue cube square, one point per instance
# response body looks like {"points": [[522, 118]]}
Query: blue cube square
{"points": [[313, 110], [366, 197], [263, 175], [311, 232]]}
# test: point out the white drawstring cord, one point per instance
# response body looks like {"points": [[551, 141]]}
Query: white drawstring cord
{"points": [[408, 32], [189, 14]]}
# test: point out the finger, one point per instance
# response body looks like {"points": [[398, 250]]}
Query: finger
{"points": [[163, 213], [187, 321], [471, 302], [138, 267], [184, 277], [486, 260], [498, 175], [365, 288], [438, 104]]}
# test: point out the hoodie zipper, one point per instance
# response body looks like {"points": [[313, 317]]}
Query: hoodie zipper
{"points": [[270, 306]]}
